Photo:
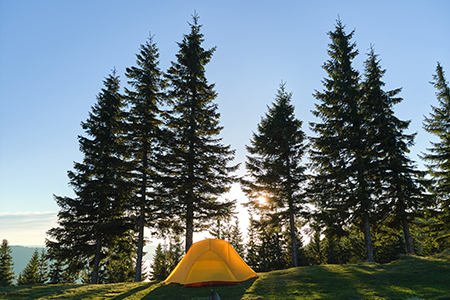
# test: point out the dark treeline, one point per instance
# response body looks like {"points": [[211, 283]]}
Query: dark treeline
{"points": [[154, 159]]}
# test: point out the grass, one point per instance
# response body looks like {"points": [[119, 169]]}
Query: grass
{"points": [[410, 278]]}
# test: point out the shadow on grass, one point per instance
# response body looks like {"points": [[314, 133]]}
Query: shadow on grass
{"points": [[85, 291], [176, 291], [135, 291], [122, 291], [33, 291]]}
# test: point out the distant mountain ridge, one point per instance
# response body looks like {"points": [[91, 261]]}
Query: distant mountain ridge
{"points": [[21, 255]]}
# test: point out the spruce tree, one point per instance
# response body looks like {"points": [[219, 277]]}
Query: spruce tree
{"points": [[223, 228], [159, 265], [266, 237], [271, 251], [389, 244], [199, 162], [396, 179], [174, 253], [55, 274], [236, 239], [61, 268], [145, 137], [252, 246], [94, 220], [437, 157], [331, 250], [302, 260], [6, 264], [274, 164], [30, 275], [43, 267], [120, 260], [314, 249], [219, 227], [341, 187]]}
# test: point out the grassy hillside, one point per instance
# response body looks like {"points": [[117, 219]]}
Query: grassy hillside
{"points": [[408, 278]]}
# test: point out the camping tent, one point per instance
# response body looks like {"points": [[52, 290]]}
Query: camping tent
{"points": [[210, 262]]}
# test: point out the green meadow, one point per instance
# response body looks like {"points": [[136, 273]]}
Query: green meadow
{"points": [[407, 278]]}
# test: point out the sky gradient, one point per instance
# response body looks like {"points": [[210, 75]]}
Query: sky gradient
{"points": [[55, 54]]}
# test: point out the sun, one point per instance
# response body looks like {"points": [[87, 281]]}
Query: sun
{"points": [[262, 200]]}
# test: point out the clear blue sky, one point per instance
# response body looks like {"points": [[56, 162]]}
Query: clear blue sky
{"points": [[55, 54]]}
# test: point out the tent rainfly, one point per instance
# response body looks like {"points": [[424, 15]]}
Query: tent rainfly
{"points": [[210, 262]]}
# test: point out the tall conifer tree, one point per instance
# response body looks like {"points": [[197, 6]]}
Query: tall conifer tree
{"points": [[274, 165], [93, 221], [199, 161], [438, 156], [395, 176], [145, 137], [339, 155], [6, 264]]}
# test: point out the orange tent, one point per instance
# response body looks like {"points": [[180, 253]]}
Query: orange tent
{"points": [[211, 262]]}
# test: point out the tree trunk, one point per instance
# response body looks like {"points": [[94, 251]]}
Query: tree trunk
{"points": [[94, 279], [189, 224], [406, 233], [368, 238], [408, 240], [291, 215], [190, 188], [140, 250], [293, 239], [277, 236]]}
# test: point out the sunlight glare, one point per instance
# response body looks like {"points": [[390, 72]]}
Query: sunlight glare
{"points": [[262, 200]]}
